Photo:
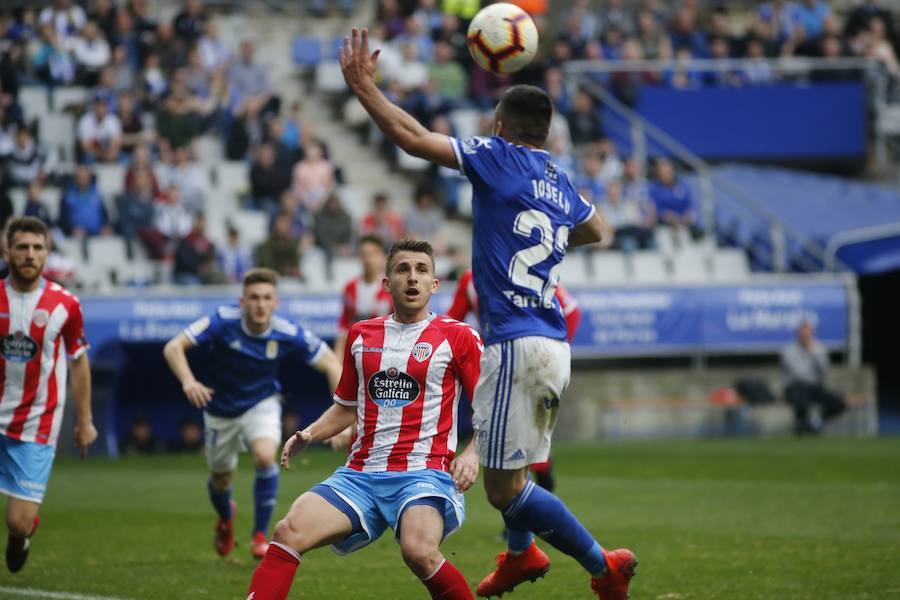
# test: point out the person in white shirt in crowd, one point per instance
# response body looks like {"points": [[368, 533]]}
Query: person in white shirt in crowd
{"points": [[99, 134], [91, 52]]}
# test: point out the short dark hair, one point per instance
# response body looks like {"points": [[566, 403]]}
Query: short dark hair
{"points": [[410, 246], [371, 238], [28, 225], [260, 275], [525, 111]]}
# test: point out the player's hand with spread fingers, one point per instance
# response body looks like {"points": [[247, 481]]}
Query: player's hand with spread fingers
{"points": [[296, 444], [357, 63], [85, 435], [464, 469], [198, 394]]}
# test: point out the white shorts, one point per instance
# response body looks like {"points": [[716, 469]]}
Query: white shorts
{"points": [[517, 400], [225, 437]]}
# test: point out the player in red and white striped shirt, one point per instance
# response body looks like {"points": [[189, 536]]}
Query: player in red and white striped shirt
{"points": [[364, 297], [40, 327], [402, 380]]}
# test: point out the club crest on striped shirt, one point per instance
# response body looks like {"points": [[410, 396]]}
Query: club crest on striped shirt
{"points": [[422, 351], [40, 317]]}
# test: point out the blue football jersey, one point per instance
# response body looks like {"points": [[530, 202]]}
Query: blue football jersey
{"points": [[523, 209], [244, 367]]}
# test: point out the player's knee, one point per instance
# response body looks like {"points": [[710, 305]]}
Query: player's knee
{"points": [[220, 481], [264, 461], [421, 557], [499, 496], [291, 536], [19, 523]]}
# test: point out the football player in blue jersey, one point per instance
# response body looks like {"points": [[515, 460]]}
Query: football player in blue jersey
{"points": [[241, 405], [526, 213]]}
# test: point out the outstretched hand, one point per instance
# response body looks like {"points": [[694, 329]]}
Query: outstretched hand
{"points": [[296, 444], [357, 63]]}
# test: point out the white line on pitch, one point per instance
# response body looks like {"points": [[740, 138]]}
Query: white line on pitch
{"points": [[33, 593]]}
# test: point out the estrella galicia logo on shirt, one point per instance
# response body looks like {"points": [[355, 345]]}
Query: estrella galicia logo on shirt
{"points": [[392, 388], [18, 347]]}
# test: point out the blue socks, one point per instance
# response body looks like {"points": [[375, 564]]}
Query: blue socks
{"points": [[265, 492], [221, 501], [537, 510]]}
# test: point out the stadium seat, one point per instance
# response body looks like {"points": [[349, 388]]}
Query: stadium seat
{"points": [[665, 239], [343, 269], [609, 268], [648, 267], [356, 201], [329, 78], [314, 270], [408, 162], [232, 176], [69, 247], [730, 264], [466, 121], [306, 51], [18, 197], [211, 150], [690, 266], [573, 271], [34, 102], [70, 97], [58, 130], [110, 180], [334, 46], [253, 225]]}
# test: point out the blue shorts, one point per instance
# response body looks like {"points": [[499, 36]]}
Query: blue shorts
{"points": [[25, 468], [375, 501]]}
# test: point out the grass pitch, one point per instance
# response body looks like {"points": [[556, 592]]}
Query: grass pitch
{"points": [[729, 519]]}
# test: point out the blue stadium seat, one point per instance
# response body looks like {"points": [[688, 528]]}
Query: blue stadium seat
{"points": [[306, 51]]}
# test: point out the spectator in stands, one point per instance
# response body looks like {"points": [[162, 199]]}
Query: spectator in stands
{"points": [[154, 81], [655, 43], [234, 258], [285, 156], [189, 177], [672, 199], [782, 16], [427, 103], [317, 8], [590, 184], [486, 88], [82, 211], [66, 18], [448, 181], [292, 135], [124, 79], [449, 76], [810, 18], [333, 228], [170, 223], [805, 366], [683, 76], [99, 134], [412, 74], [619, 16], [631, 220], [832, 50], [105, 88], [103, 13], [171, 50], [429, 17], [28, 161], [757, 71], [253, 97], [140, 161], [382, 221], [137, 209], [176, 124], [426, 220], [140, 438], [563, 156], [268, 179], [133, 134], [413, 33], [127, 36], [723, 76], [861, 17], [281, 250], [879, 48], [555, 86], [51, 59], [34, 203], [8, 127], [190, 437], [301, 221], [91, 52], [313, 178], [213, 52], [189, 23], [584, 120], [684, 33], [720, 26], [195, 257]]}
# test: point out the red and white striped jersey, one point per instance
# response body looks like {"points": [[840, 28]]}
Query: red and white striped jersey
{"points": [[466, 300], [362, 301], [33, 326], [405, 380]]}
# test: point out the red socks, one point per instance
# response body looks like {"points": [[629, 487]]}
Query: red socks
{"points": [[273, 577], [447, 583]]}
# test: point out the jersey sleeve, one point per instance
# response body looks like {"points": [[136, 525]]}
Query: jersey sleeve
{"points": [[461, 305], [467, 356], [310, 345], [347, 312], [205, 329], [480, 158], [582, 210], [348, 387], [73, 331]]}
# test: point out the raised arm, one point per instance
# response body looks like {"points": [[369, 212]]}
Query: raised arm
{"points": [[358, 66]]}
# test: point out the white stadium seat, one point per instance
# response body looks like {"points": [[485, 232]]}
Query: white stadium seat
{"points": [[648, 267], [573, 271], [609, 268], [730, 264]]}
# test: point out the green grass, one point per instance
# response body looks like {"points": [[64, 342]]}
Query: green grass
{"points": [[773, 519]]}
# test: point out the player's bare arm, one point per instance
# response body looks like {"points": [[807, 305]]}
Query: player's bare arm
{"points": [[334, 420], [85, 432], [358, 65], [175, 353], [329, 365], [595, 230]]}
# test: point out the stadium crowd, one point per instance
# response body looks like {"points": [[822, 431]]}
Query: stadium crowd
{"points": [[155, 86]]}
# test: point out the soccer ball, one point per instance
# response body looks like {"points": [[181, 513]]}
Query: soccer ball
{"points": [[502, 38]]}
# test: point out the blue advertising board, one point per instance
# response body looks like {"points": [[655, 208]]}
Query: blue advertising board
{"points": [[758, 317]]}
